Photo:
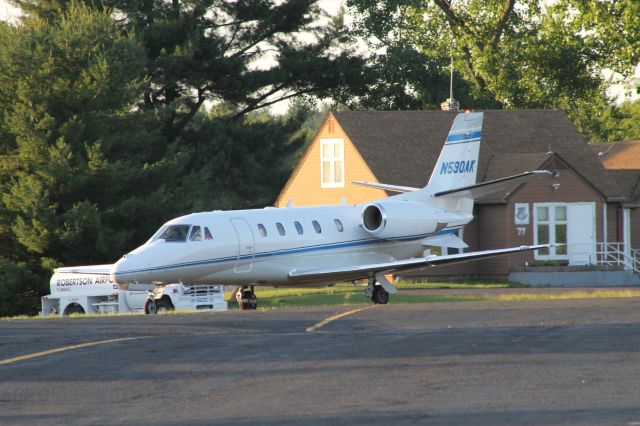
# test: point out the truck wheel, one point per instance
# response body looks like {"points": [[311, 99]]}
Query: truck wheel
{"points": [[163, 306], [150, 307], [73, 308]]}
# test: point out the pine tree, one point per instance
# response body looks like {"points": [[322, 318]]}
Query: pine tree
{"points": [[83, 170]]}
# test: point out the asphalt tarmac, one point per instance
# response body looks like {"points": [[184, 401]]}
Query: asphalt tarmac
{"points": [[472, 363]]}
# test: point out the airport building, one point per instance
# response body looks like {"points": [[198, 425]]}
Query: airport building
{"points": [[592, 206]]}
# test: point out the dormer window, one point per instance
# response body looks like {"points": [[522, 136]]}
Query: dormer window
{"points": [[332, 163]]}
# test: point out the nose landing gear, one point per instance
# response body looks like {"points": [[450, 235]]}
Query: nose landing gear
{"points": [[246, 298]]}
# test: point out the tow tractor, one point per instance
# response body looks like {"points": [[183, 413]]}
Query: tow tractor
{"points": [[93, 291]]}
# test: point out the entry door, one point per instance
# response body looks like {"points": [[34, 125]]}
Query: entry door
{"points": [[581, 233], [246, 245]]}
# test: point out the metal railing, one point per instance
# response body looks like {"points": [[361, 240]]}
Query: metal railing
{"points": [[616, 254]]}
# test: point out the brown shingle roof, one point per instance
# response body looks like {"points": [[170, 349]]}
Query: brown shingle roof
{"points": [[401, 147], [619, 155], [629, 181]]}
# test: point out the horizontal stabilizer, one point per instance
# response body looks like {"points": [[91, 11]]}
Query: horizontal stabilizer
{"points": [[347, 273], [493, 186], [449, 240], [386, 187]]}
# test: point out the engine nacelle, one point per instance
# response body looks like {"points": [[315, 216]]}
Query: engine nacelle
{"points": [[395, 219]]}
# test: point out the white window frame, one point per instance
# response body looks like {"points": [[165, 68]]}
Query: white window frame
{"points": [[552, 235], [332, 183]]}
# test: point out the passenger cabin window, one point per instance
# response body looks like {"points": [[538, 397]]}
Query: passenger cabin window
{"points": [[262, 229], [339, 226], [207, 234], [299, 228], [280, 228], [175, 233], [196, 234], [316, 226]]}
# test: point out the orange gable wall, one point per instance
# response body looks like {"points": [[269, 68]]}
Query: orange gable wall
{"points": [[304, 187]]}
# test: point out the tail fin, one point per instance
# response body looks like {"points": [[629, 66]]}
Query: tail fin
{"points": [[457, 165]]}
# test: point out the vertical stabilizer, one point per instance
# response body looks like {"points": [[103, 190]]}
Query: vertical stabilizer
{"points": [[457, 165]]}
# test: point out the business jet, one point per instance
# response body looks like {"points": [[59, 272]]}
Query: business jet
{"points": [[318, 246]]}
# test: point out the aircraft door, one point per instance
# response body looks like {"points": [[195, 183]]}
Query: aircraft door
{"points": [[246, 245]]}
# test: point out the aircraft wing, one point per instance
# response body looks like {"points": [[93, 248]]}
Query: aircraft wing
{"points": [[386, 187], [482, 189], [346, 273]]}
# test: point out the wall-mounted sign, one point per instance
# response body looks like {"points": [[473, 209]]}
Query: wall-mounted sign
{"points": [[521, 214]]}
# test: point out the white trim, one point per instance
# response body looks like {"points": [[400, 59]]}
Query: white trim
{"points": [[605, 226], [332, 162], [552, 236], [626, 231]]}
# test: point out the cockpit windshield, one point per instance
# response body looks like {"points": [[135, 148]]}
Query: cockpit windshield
{"points": [[172, 233]]}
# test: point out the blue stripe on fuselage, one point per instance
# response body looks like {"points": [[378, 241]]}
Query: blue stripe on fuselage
{"points": [[298, 250]]}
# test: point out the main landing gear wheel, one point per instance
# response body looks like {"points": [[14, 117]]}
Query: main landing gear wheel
{"points": [[380, 295], [376, 292], [247, 299]]}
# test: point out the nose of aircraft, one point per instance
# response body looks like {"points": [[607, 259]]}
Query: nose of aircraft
{"points": [[125, 270]]}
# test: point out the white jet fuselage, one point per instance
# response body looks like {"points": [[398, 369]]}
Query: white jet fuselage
{"points": [[247, 247]]}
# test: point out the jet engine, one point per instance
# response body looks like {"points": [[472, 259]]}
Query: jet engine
{"points": [[396, 219]]}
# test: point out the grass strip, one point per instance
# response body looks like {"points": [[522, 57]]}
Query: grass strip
{"points": [[348, 295]]}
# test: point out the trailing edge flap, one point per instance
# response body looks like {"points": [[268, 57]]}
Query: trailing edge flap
{"points": [[449, 240], [386, 187], [482, 189], [346, 273]]}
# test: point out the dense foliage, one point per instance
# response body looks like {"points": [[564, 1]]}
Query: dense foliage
{"points": [[507, 53]]}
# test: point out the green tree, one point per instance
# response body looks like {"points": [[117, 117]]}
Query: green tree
{"points": [[514, 53], [250, 53], [84, 172], [621, 122], [242, 163]]}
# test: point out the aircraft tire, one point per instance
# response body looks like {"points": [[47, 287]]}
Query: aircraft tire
{"points": [[380, 296], [248, 300], [249, 303]]}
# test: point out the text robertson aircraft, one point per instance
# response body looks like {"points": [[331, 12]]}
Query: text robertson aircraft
{"points": [[316, 246]]}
